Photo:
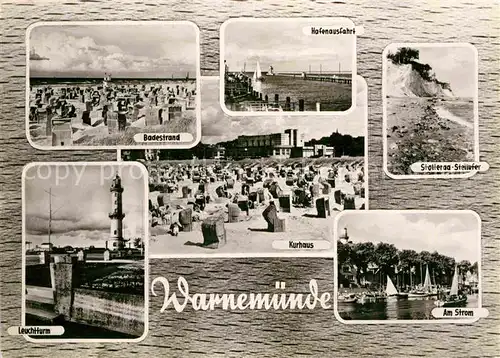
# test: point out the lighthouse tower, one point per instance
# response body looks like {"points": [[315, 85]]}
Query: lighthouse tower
{"points": [[116, 240]]}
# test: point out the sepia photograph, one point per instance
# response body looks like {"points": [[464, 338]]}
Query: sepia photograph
{"points": [[430, 107], [288, 65], [256, 186], [85, 250], [112, 84], [398, 265]]}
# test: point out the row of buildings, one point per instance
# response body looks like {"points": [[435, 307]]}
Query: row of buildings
{"points": [[287, 144]]}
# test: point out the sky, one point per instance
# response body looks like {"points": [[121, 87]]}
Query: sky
{"points": [[219, 127], [81, 203], [286, 46], [452, 234], [455, 65], [136, 51]]}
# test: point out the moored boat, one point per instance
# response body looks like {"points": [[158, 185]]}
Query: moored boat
{"points": [[454, 299], [347, 298], [392, 291]]}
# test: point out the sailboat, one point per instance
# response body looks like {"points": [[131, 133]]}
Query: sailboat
{"points": [[428, 284], [257, 74], [425, 291], [392, 291], [453, 299]]}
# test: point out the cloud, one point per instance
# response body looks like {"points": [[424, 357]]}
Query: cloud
{"points": [[90, 51], [451, 234], [38, 224]]}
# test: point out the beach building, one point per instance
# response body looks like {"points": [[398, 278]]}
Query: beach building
{"points": [[46, 246], [219, 152], [288, 144]]}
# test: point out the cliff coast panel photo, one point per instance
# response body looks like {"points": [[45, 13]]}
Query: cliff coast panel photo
{"points": [[112, 84], [430, 106]]}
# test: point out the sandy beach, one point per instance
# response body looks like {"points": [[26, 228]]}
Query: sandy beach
{"points": [[139, 97], [249, 234]]}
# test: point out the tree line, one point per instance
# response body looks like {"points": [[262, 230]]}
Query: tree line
{"points": [[344, 144], [400, 264]]}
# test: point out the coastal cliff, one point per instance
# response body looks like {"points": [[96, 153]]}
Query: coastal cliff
{"points": [[403, 80]]}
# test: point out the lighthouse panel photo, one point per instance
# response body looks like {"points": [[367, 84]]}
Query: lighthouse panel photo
{"points": [[288, 65], [112, 84], [85, 250], [407, 265]]}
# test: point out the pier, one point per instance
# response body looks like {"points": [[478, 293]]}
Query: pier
{"points": [[242, 93]]}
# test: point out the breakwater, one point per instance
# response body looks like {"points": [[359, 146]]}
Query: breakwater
{"points": [[65, 301], [287, 92]]}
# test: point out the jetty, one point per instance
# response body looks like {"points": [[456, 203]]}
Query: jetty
{"points": [[242, 92]]}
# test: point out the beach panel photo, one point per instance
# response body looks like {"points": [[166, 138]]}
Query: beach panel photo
{"points": [[288, 65], [251, 187], [109, 85], [85, 251], [430, 110], [403, 266]]}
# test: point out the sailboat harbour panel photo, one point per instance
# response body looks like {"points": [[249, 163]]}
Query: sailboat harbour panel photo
{"points": [[399, 265], [288, 65]]}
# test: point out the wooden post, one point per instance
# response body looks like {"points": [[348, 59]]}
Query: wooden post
{"points": [[318, 107], [266, 98], [63, 276], [276, 98], [288, 104], [301, 105], [214, 233]]}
